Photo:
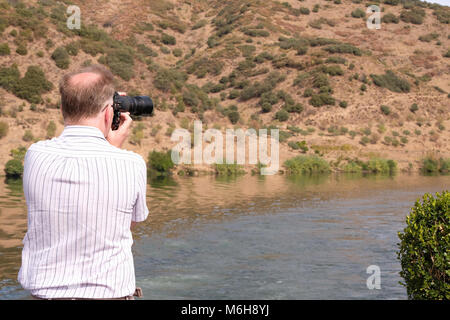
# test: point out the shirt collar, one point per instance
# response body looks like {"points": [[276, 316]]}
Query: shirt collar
{"points": [[82, 131]]}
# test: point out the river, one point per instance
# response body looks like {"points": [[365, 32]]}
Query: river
{"points": [[254, 237]]}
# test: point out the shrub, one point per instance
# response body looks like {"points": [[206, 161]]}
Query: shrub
{"points": [[168, 79], [168, 39], [304, 10], [4, 49], [234, 116], [429, 37], [4, 127], [385, 110], [318, 100], [423, 248], [434, 165], [414, 107], [344, 48], [343, 104], [391, 81], [414, 16], [22, 49], [282, 115], [391, 2], [73, 48], [225, 169], [298, 145], [61, 58], [358, 13], [383, 166], [390, 18], [14, 169], [30, 87], [28, 136], [51, 129], [306, 165], [294, 108], [159, 163]]}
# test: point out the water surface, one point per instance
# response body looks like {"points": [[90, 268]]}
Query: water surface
{"points": [[255, 237]]}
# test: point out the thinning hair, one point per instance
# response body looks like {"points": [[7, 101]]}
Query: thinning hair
{"points": [[85, 92]]}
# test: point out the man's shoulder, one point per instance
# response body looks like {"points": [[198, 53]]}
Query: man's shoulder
{"points": [[103, 150]]}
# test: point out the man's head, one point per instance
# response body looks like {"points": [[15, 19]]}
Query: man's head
{"points": [[86, 93]]}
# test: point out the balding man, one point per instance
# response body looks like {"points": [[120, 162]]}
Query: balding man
{"points": [[83, 194]]}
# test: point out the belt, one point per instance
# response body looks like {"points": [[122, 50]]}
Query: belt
{"points": [[137, 293]]}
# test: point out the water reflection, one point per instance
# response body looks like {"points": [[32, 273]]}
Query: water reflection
{"points": [[272, 237]]}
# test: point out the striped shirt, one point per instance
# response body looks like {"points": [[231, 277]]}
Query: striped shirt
{"points": [[82, 194]]}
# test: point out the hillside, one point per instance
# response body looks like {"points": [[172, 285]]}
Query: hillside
{"points": [[311, 68]]}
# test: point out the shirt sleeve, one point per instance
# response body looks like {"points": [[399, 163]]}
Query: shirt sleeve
{"points": [[140, 210]]}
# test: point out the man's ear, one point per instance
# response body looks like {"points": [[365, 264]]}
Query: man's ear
{"points": [[109, 114]]}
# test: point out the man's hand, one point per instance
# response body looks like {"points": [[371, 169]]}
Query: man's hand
{"points": [[118, 137]]}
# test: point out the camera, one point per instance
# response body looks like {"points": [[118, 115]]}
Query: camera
{"points": [[136, 106]]}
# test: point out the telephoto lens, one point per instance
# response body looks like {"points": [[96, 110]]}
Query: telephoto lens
{"points": [[136, 106]]}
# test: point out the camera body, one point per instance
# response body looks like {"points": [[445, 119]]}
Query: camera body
{"points": [[136, 106]]}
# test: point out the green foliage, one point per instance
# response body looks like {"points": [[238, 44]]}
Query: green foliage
{"points": [[203, 66], [73, 48], [343, 104], [382, 166], [258, 88], [339, 60], [282, 115], [306, 165], [169, 79], [344, 48], [30, 87], [433, 165], [14, 168], [429, 37], [225, 169], [318, 100], [4, 127], [358, 13], [28, 136], [4, 49], [423, 248], [234, 116], [61, 57], [391, 81], [390, 18], [160, 163], [414, 16], [168, 39], [414, 107], [385, 110], [51, 129], [296, 145], [22, 49]]}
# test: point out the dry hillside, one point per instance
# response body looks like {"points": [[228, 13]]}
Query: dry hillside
{"points": [[311, 68]]}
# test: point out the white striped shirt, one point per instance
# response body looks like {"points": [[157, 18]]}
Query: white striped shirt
{"points": [[82, 194]]}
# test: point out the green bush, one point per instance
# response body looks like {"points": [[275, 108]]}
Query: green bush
{"points": [[61, 58], [4, 127], [160, 163], [4, 49], [225, 169], [414, 107], [51, 129], [306, 165], [22, 49], [383, 166], [30, 87], [282, 115], [73, 48], [168, 39], [414, 16], [343, 104], [234, 116], [14, 169], [296, 145], [28, 136], [385, 110], [344, 48], [423, 248], [318, 100], [390, 18], [358, 13], [169, 79], [434, 165], [429, 37], [391, 81]]}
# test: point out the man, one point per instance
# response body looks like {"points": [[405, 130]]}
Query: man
{"points": [[84, 194]]}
